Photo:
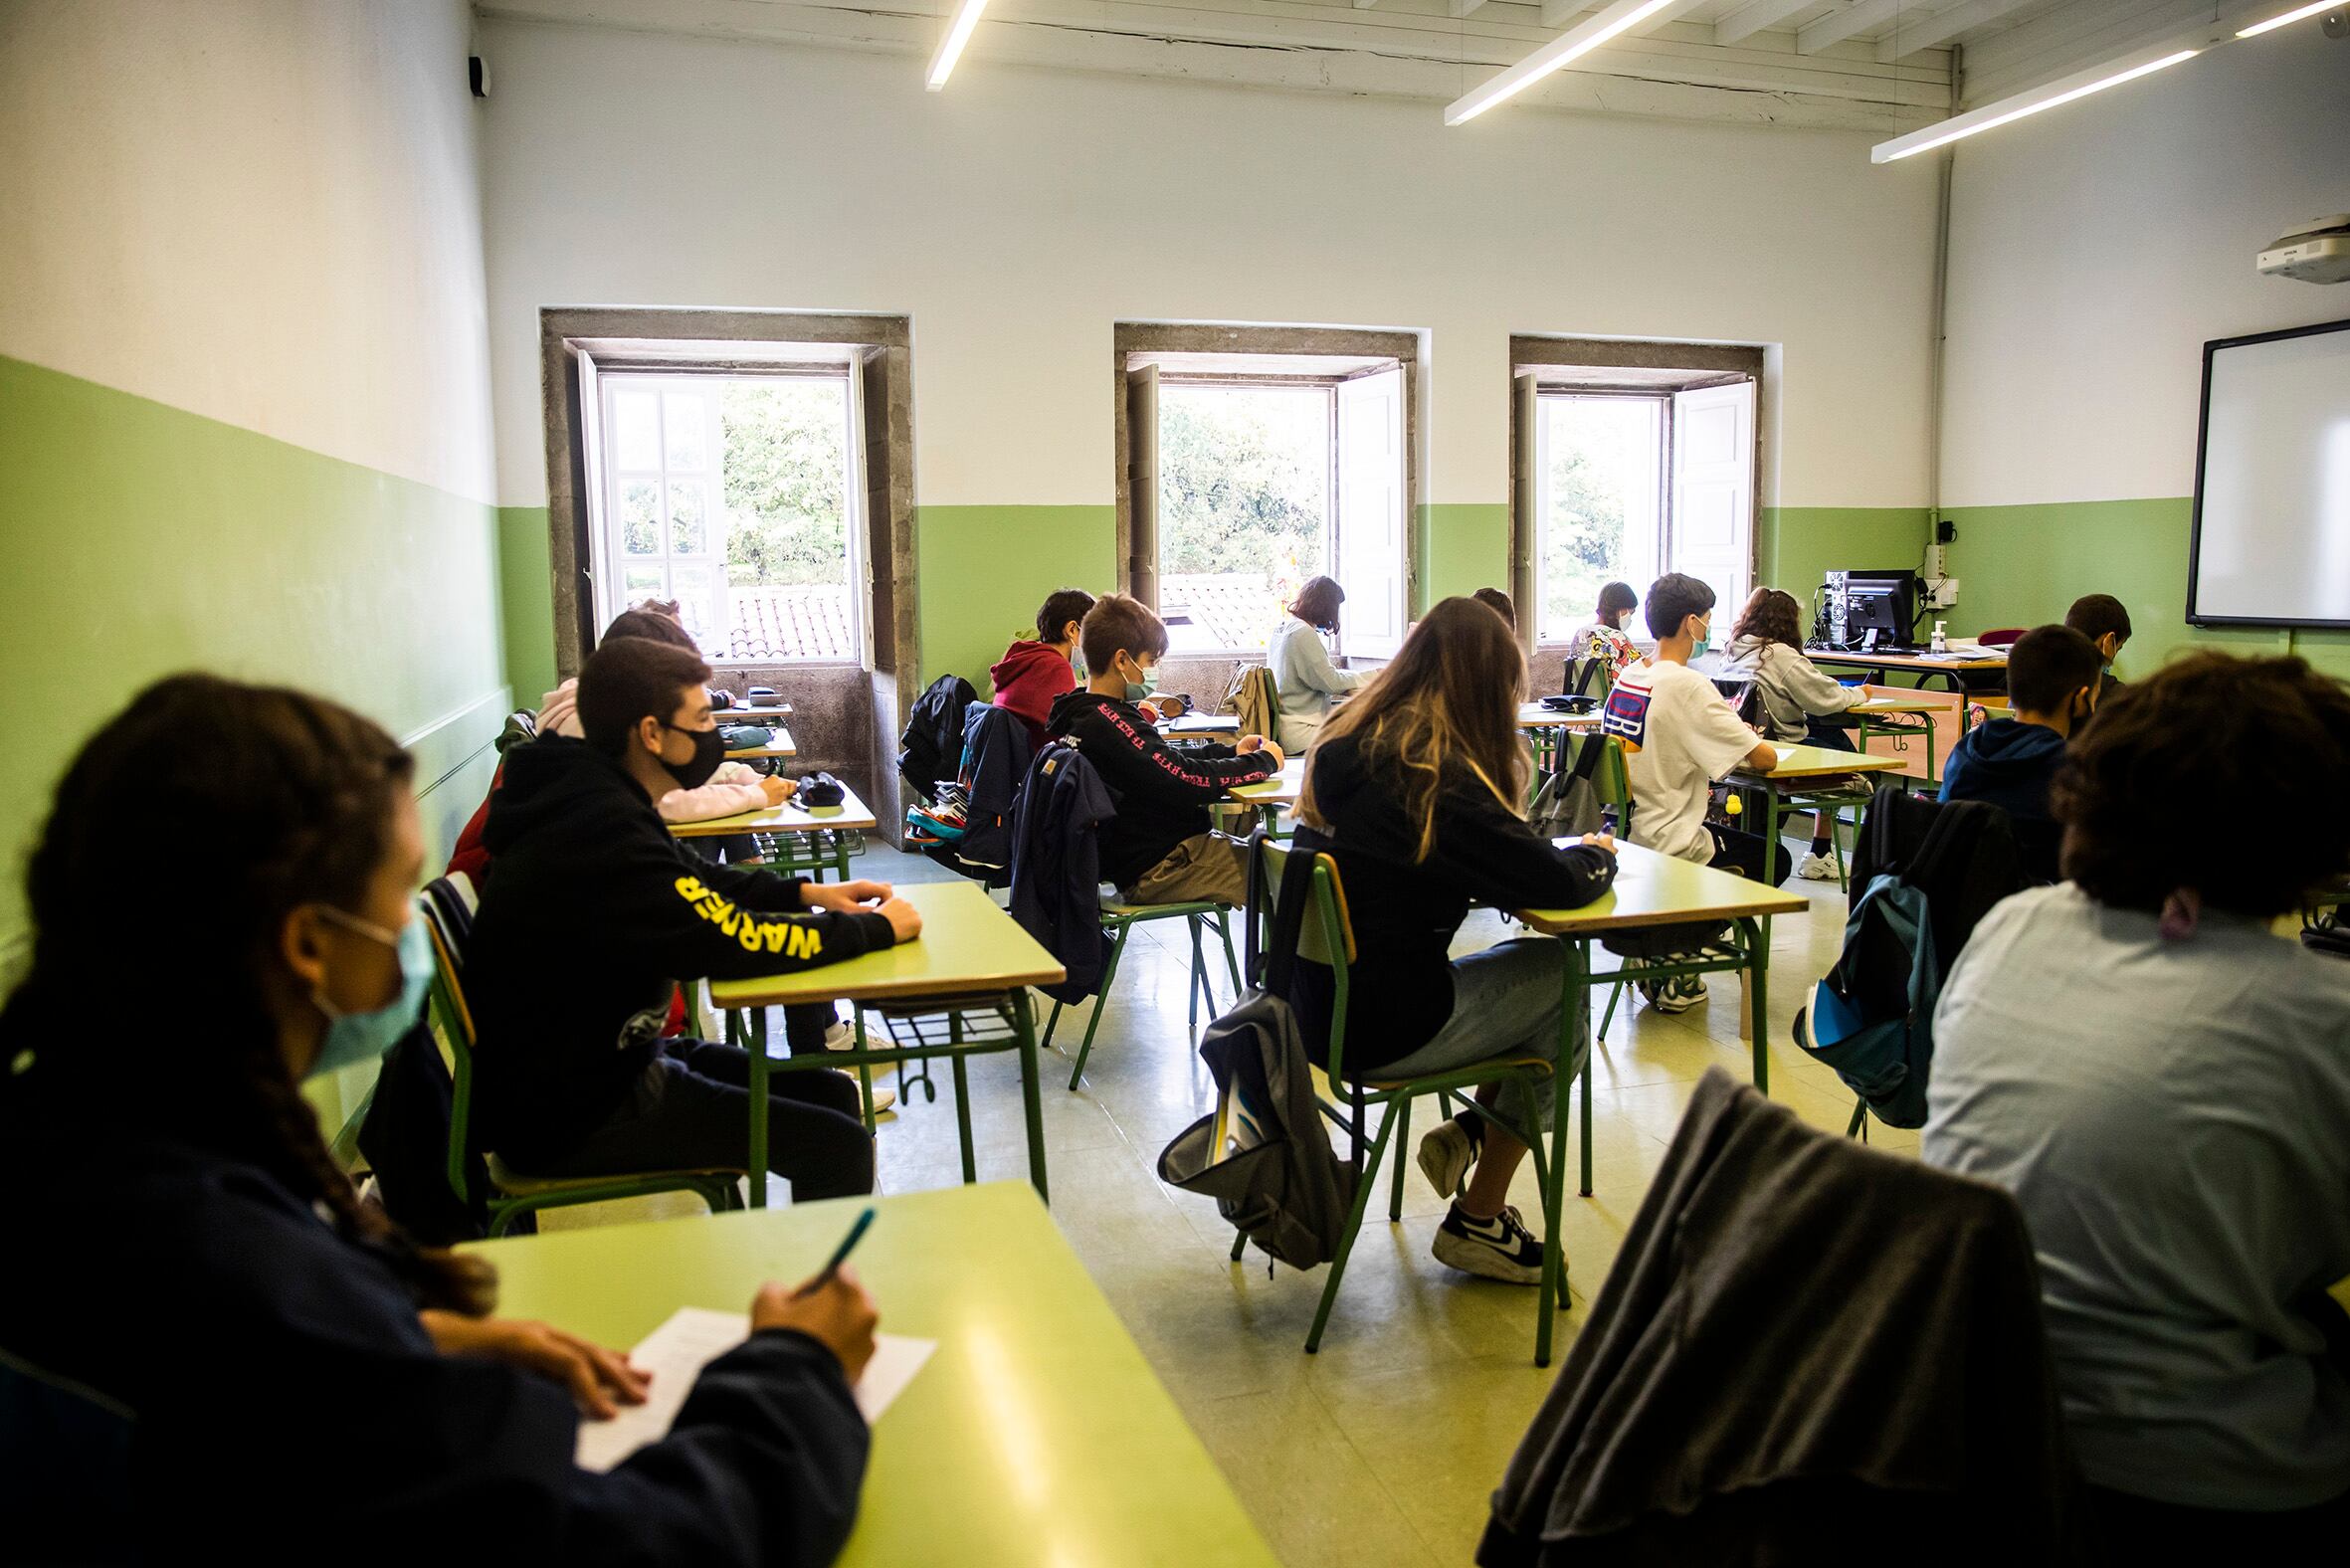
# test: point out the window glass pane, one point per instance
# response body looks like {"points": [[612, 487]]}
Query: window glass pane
{"points": [[640, 582], [636, 431], [785, 473], [1601, 517], [696, 586], [1244, 509], [686, 507], [683, 414], [639, 517]]}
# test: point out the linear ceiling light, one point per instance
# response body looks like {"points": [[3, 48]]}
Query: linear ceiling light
{"points": [[2257, 28], [1576, 41], [950, 47], [2097, 78]]}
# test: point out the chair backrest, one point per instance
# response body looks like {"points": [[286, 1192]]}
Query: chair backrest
{"points": [[2005, 637], [1324, 926], [446, 908], [1611, 778]]}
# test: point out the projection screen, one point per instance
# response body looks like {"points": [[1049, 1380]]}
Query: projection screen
{"points": [[2270, 544]]}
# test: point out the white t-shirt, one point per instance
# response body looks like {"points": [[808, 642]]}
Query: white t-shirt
{"points": [[1679, 736]]}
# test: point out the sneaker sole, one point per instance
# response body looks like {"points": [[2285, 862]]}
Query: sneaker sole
{"points": [[1473, 1257], [1445, 1175]]}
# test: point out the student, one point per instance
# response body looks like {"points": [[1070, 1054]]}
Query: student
{"points": [[1031, 675], [2011, 762], [2161, 1083], [593, 912], [1412, 789], [1679, 736], [1303, 674], [304, 1377], [1767, 648], [2101, 619], [1500, 603], [1158, 849], [1602, 636]]}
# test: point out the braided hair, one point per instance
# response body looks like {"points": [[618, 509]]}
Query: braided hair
{"points": [[275, 799]]}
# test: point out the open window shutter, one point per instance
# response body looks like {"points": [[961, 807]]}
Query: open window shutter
{"points": [[861, 556], [869, 389], [1370, 565], [588, 485], [1525, 504], [1712, 533], [1142, 483]]}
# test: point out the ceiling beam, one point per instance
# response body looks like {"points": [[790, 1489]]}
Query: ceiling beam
{"points": [[2113, 71], [1859, 17], [1364, 5], [1910, 34], [1461, 8], [1756, 15], [1558, 13]]}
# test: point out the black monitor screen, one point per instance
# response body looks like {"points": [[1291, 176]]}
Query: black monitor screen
{"points": [[1874, 607]]}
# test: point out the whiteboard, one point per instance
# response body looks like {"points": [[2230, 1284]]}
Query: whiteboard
{"points": [[2272, 532]]}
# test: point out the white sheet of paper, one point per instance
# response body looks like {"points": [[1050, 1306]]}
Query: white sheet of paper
{"points": [[694, 1337]]}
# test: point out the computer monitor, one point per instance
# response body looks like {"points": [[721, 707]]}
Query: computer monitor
{"points": [[1882, 602]]}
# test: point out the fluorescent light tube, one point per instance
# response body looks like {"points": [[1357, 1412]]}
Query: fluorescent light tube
{"points": [[2257, 28], [2064, 90], [1570, 45], [950, 47]]}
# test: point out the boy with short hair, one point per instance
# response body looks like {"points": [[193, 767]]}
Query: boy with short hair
{"points": [[2010, 763], [1158, 849], [593, 914], [1679, 736], [1032, 675], [2104, 620]]}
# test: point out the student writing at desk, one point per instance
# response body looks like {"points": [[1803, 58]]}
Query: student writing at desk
{"points": [[256, 1357]]}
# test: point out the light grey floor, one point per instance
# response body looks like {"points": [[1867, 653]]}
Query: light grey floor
{"points": [[1383, 1448]]}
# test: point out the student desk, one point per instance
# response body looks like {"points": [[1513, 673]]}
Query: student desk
{"points": [[1275, 795], [971, 957], [1547, 728], [1651, 890], [747, 713], [1948, 666], [1799, 782], [1900, 710], [779, 749], [1036, 1434], [819, 837], [1194, 724]]}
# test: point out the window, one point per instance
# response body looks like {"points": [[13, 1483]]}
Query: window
{"points": [[1256, 457], [736, 496], [1603, 502]]}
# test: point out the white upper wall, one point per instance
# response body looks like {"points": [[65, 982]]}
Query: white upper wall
{"points": [[265, 213], [2095, 248], [1019, 213]]}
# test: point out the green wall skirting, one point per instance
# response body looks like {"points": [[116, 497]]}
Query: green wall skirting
{"points": [[2025, 565], [981, 572], [526, 598]]}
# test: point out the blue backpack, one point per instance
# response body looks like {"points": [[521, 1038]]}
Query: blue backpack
{"points": [[1872, 1017]]}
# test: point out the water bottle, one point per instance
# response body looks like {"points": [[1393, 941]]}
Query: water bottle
{"points": [[1942, 638]]}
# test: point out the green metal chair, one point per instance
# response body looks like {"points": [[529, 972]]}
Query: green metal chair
{"points": [[1325, 935], [1119, 921], [511, 1194]]}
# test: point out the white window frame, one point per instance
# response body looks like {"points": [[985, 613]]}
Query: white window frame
{"points": [[1662, 483]]}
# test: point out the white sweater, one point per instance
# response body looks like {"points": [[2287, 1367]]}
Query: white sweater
{"points": [[1305, 680]]}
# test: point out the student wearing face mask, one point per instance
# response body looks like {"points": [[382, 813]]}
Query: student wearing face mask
{"points": [[593, 912], [1159, 847], [208, 1336], [1603, 636], [2052, 676]]}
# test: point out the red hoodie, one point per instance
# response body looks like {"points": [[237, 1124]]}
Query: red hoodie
{"points": [[1028, 678]]}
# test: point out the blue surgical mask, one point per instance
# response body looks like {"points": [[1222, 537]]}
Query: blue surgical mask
{"points": [[353, 1038], [1136, 691], [1702, 641]]}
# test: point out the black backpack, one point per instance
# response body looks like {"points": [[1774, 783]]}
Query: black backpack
{"points": [[933, 747]]}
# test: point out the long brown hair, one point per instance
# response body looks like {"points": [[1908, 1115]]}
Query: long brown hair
{"points": [[1451, 693], [266, 799], [1317, 603], [1772, 615]]}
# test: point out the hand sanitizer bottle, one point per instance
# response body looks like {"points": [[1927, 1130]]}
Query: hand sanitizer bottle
{"points": [[1942, 638]]}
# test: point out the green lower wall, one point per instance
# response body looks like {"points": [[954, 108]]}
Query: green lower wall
{"points": [[2025, 565], [526, 598], [139, 539], [1796, 546], [981, 572], [1464, 546]]}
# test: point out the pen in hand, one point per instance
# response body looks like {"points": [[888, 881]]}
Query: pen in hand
{"points": [[840, 1255]]}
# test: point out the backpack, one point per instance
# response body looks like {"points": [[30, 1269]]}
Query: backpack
{"points": [[1263, 1153], [931, 749], [1567, 804]]}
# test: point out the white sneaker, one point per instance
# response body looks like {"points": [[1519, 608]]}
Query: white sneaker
{"points": [[839, 1036], [1445, 1154], [1676, 995], [1497, 1249], [883, 1097], [1817, 868]]}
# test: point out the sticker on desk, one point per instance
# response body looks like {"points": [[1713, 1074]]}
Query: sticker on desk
{"points": [[675, 1354]]}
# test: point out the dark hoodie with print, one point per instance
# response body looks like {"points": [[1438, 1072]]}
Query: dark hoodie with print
{"points": [[1162, 795], [591, 915], [1028, 678], [2010, 764]]}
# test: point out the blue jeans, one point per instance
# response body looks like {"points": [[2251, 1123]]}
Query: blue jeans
{"points": [[1505, 1003]]}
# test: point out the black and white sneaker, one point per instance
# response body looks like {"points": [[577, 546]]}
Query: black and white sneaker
{"points": [[1497, 1249], [1445, 1155]]}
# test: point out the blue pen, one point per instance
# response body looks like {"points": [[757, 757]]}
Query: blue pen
{"points": [[840, 1255]]}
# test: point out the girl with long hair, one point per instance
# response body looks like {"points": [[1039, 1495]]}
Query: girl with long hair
{"points": [[1413, 790], [1800, 700]]}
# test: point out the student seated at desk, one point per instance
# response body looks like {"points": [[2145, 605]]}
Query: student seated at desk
{"points": [[1159, 847], [1767, 648], [2104, 620], [1679, 736], [1413, 791], [283, 1374], [2012, 762], [1303, 674], [2163, 1085], [1500, 603], [1602, 636], [593, 914], [1031, 674]]}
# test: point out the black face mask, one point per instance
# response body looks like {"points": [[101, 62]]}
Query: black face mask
{"points": [[709, 749]]}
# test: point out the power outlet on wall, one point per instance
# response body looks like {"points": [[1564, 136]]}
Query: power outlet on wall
{"points": [[1942, 594]]}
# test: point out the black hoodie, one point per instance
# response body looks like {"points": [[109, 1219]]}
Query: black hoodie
{"points": [[1405, 911], [591, 915], [1162, 795]]}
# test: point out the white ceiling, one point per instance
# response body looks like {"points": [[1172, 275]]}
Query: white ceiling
{"points": [[1881, 66]]}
